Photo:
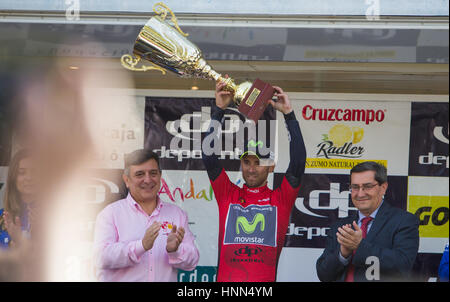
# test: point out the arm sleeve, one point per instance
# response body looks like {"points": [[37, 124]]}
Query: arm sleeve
{"points": [[210, 159], [220, 182], [187, 255], [443, 266], [290, 184], [329, 266], [297, 151], [109, 253], [344, 261]]}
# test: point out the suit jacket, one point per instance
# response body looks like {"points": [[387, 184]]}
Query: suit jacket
{"points": [[393, 238]]}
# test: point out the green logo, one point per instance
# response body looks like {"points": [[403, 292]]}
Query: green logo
{"points": [[249, 228], [252, 143]]}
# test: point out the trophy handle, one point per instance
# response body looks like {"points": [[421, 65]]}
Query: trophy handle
{"points": [[129, 63], [162, 10]]}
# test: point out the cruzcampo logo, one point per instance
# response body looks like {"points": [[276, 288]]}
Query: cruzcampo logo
{"points": [[249, 228]]}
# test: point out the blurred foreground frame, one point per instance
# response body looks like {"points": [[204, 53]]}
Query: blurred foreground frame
{"points": [[47, 106]]}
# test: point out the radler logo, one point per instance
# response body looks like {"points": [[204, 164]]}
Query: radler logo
{"points": [[340, 141]]}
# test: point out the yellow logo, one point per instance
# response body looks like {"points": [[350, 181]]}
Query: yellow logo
{"points": [[339, 150], [341, 134], [433, 213], [340, 142]]}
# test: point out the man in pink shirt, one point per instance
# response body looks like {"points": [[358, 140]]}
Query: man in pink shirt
{"points": [[142, 238]]}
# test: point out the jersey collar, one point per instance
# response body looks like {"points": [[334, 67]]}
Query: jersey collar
{"points": [[258, 190]]}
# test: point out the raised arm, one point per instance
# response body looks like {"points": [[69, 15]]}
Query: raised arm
{"points": [[209, 152], [297, 150]]}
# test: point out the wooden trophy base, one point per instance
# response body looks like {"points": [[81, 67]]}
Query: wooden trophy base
{"points": [[256, 100]]}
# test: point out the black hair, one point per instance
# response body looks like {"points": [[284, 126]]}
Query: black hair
{"points": [[380, 170]]}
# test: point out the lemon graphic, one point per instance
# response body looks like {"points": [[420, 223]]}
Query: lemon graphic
{"points": [[358, 134], [340, 134]]}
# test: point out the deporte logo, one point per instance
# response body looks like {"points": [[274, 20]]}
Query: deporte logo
{"points": [[429, 139], [191, 125], [431, 158], [106, 187], [177, 128], [187, 135], [101, 190], [438, 133], [337, 200], [307, 232], [248, 251]]}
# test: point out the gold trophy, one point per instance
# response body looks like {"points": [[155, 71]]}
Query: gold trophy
{"points": [[167, 48]]}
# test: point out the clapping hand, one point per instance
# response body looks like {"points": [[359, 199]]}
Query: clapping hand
{"points": [[349, 238], [13, 227], [174, 239], [150, 235]]}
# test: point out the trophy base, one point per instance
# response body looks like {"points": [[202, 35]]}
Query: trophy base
{"points": [[256, 100]]}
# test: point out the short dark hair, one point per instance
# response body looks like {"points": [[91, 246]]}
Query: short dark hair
{"points": [[380, 170], [139, 157]]}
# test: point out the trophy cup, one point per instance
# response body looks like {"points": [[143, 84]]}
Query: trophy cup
{"points": [[167, 48]]}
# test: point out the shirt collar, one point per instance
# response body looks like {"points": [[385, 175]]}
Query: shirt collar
{"points": [[136, 206]]}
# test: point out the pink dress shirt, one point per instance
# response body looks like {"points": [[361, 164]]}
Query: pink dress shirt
{"points": [[118, 251]]}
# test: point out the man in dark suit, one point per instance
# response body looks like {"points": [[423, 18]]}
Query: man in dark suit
{"points": [[378, 243]]}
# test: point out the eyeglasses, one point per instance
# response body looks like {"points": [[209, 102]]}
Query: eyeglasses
{"points": [[364, 187]]}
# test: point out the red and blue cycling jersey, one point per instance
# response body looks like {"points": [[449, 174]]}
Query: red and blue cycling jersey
{"points": [[253, 221]]}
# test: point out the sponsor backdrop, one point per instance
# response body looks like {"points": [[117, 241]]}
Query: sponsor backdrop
{"points": [[410, 138]]}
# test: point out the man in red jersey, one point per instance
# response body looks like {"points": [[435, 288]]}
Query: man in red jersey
{"points": [[253, 220]]}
